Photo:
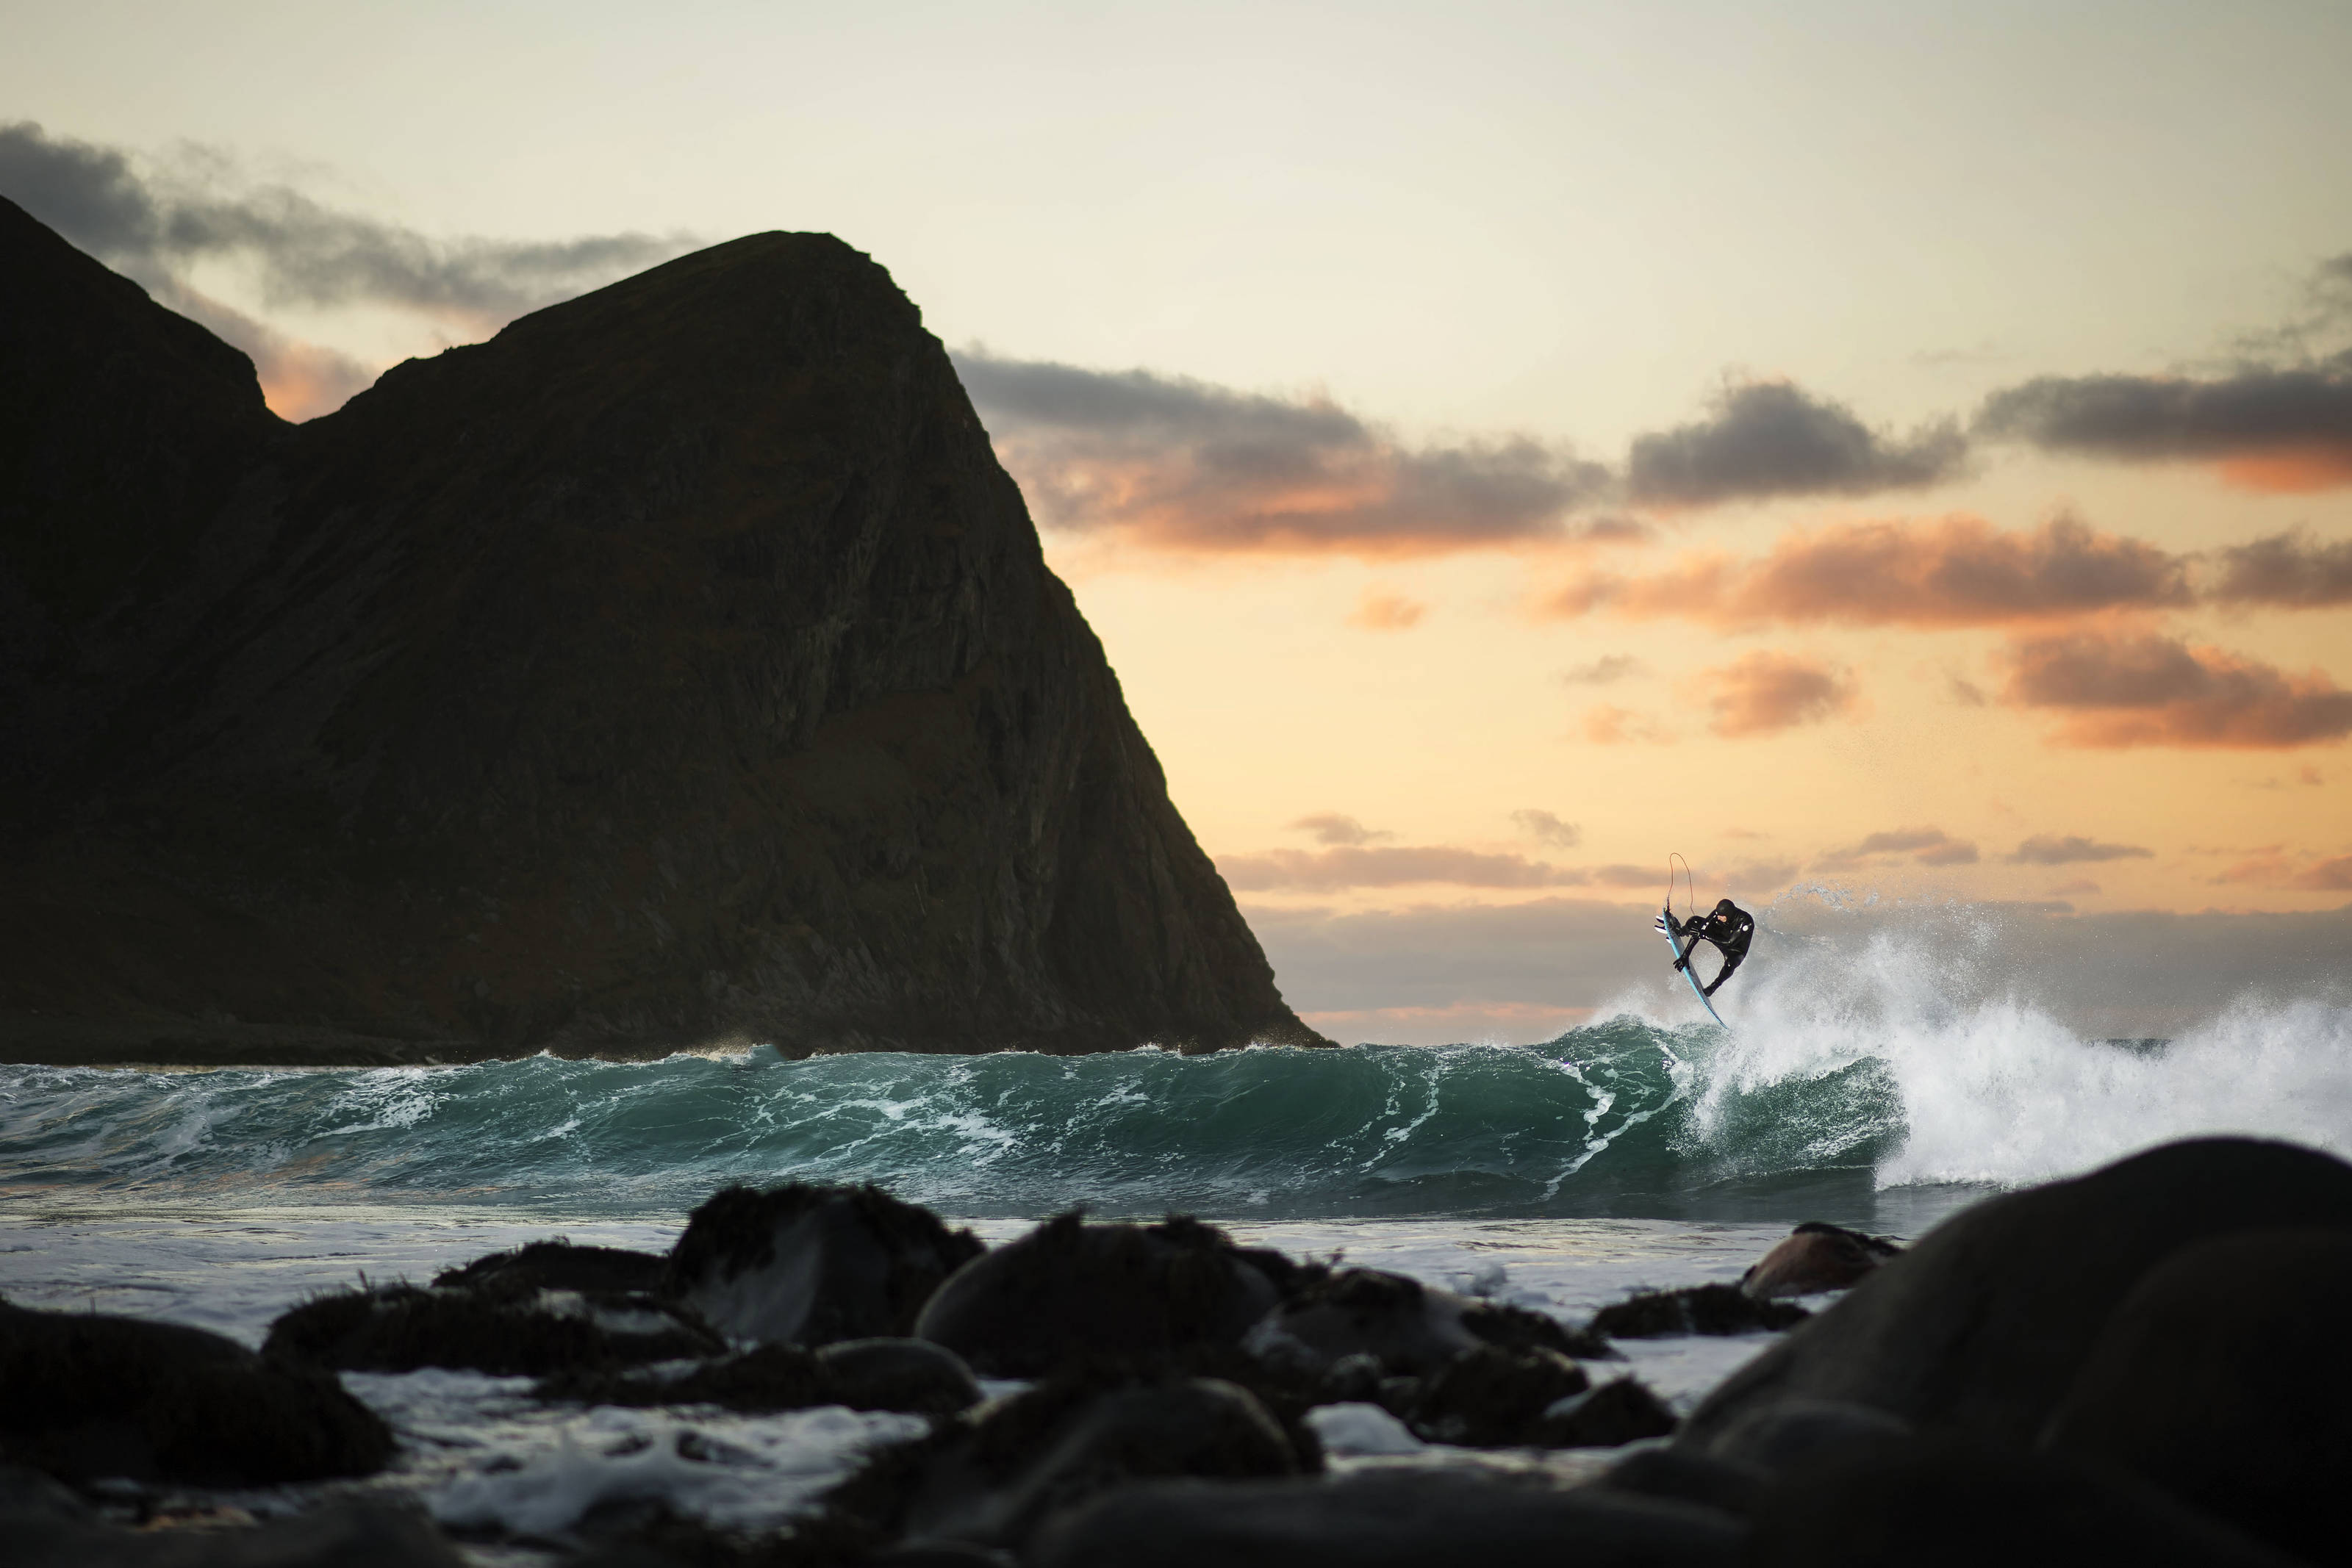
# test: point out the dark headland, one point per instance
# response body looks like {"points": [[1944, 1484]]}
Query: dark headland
{"points": [[677, 668]]}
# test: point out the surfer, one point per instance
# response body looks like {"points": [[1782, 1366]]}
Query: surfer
{"points": [[1730, 927]]}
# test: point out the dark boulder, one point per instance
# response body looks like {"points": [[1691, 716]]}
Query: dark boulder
{"points": [[85, 1398], [339, 1535], [1982, 1325], [680, 665], [991, 1477], [1700, 1308], [810, 1265], [1385, 1518], [1792, 1432], [2225, 1378], [1946, 1505], [559, 1265], [1816, 1257], [399, 1328], [908, 1374], [1408, 1328], [1070, 1290], [1490, 1398], [1684, 1474]]}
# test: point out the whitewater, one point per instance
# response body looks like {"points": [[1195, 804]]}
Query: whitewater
{"points": [[1880, 1086]]}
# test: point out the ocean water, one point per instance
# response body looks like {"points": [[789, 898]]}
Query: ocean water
{"points": [[1643, 1150]]}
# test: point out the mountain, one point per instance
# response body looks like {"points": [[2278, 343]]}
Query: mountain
{"points": [[677, 668]]}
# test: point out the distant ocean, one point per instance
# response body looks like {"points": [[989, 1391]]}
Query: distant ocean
{"points": [[1641, 1151]]}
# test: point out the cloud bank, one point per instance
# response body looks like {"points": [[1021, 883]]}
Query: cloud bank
{"points": [[2129, 689], [153, 224], [1767, 438], [1181, 464]]}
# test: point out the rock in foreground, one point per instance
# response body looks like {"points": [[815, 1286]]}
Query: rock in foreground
{"points": [[87, 1397]]}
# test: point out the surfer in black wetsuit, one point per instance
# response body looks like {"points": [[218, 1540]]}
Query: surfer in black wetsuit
{"points": [[1730, 927]]}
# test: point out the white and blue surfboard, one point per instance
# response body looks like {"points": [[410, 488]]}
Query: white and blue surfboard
{"points": [[1665, 923]]}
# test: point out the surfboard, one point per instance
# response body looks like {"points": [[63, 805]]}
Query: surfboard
{"points": [[1673, 940]]}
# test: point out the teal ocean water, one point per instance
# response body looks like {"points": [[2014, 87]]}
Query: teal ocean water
{"points": [[1867, 1121]]}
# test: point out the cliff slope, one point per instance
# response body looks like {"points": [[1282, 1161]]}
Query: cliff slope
{"points": [[678, 666]]}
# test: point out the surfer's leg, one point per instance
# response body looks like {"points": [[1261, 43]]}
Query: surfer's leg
{"points": [[1730, 963]]}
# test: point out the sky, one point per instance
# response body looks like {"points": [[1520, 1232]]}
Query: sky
{"points": [[1895, 453]]}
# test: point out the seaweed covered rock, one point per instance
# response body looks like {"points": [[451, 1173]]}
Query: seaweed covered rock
{"points": [[1816, 1257], [1403, 1327], [1490, 1398], [908, 1375], [990, 1479], [1982, 1325], [1697, 1310], [808, 1265], [2225, 1378], [1947, 1504], [535, 1333], [559, 1265], [1386, 1519], [84, 1397], [346, 1535], [1070, 1290]]}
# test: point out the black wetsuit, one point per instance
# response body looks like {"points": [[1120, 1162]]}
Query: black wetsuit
{"points": [[1730, 928]]}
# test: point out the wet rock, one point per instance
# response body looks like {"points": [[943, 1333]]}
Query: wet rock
{"points": [[810, 1265], [1807, 1431], [2225, 1378], [88, 1397], [1388, 1519], [1701, 1309], [908, 1375], [1679, 1475], [346, 1535], [26, 1490], [1981, 1326], [400, 1328], [1410, 1329], [1946, 1505], [991, 1477], [1070, 1290], [1491, 1397], [1616, 1412], [1815, 1257], [559, 1265]]}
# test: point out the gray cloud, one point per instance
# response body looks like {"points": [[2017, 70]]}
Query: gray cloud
{"points": [[1331, 828], [1769, 438], [2289, 569], [153, 225], [1606, 670], [1925, 845], [2045, 849], [1184, 465], [1545, 828], [2140, 418], [1400, 865]]}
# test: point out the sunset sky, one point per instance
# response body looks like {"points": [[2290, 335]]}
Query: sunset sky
{"points": [[1896, 450]]}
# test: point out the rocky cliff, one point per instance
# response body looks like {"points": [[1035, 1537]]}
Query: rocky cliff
{"points": [[677, 667]]}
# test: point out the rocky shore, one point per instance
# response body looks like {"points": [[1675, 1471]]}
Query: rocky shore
{"points": [[677, 668], [2147, 1363]]}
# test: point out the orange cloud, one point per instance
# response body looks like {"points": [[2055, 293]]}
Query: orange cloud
{"points": [[1605, 723], [1404, 865], [1379, 612], [2331, 875], [2290, 471], [2142, 689], [1958, 571], [1764, 693]]}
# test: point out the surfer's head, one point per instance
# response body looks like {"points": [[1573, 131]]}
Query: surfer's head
{"points": [[1724, 907]]}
